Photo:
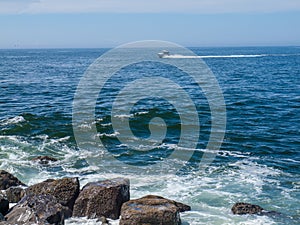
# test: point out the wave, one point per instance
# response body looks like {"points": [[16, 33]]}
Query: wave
{"points": [[14, 120]]}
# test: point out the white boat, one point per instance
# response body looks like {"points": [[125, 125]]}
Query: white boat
{"points": [[163, 54]]}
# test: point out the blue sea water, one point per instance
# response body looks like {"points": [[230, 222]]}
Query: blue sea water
{"points": [[258, 161]]}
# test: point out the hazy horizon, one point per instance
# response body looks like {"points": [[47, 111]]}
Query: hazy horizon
{"points": [[31, 24]]}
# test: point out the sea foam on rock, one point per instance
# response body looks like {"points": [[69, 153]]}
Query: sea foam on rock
{"points": [[103, 198], [152, 210]]}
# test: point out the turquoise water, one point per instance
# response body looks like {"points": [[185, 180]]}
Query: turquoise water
{"points": [[257, 163]]}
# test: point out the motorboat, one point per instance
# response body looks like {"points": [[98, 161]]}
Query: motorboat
{"points": [[163, 54]]}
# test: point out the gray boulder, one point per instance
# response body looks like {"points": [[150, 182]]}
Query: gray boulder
{"points": [[65, 190], [241, 208], [8, 180], [38, 209], [152, 210], [14, 194], [103, 198]]}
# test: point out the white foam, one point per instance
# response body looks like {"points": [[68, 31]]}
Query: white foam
{"points": [[211, 56], [211, 193], [115, 134], [14, 120]]}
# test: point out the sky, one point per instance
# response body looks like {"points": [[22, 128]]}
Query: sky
{"points": [[109, 23]]}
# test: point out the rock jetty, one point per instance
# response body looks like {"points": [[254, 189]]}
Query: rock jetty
{"points": [[53, 201]]}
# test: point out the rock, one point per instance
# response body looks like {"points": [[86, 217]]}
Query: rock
{"points": [[14, 194], [8, 180], [44, 160], [66, 190], [104, 221], [241, 208], [103, 198], [4, 205], [150, 210], [182, 207], [38, 209]]}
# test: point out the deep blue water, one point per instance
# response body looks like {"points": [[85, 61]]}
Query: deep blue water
{"points": [[259, 158]]}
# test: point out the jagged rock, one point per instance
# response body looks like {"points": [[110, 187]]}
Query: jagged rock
{"points": [[44, 160], [38, 209], [151, 210], [14, 194], [8, 180], [66, 190], [241, 208], [103, 198], [4, 205]]}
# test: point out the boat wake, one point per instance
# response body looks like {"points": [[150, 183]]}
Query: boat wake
{"points": [[211, 56]]}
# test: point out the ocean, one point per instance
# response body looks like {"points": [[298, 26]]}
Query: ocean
{"points": [[258, 161]]}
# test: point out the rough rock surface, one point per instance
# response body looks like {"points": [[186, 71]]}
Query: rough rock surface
{"points": [[44, 160], [241, 208], [182, 207], [8, 180], [14, 194], [103, 198], [38, 209], [151, 210], [4, 205], [66, 190]]}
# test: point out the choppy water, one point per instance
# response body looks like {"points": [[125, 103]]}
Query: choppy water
{"points": [[257, 163]]}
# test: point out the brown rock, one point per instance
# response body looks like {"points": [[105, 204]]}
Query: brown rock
{"points": [[66, 190], [182, 207], [14, 194], [241, 208], [44, 160], [38, 209], [103, 198], [150, 210], [8, 180]]}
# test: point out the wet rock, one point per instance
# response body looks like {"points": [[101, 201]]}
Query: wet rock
{"points": [[8, 180], [66, 190], [182, 207], [103, 198], [4, 205], [38, 209], [14, 194], [44, 160], [150, 210], [241, 208]]}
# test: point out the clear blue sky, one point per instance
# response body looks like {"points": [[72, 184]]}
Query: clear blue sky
{"points": [[103, 23]]}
